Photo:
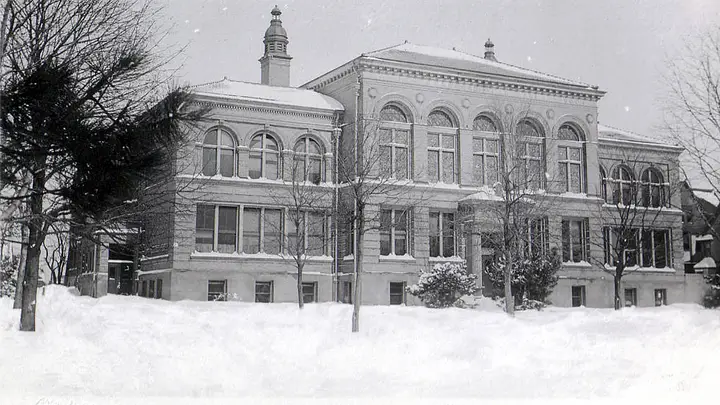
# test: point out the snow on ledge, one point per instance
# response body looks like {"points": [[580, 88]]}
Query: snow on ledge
{"points": [[581, 263], [638, 269], [254, 256], [158, 257], [446, 259], [395, 258]]}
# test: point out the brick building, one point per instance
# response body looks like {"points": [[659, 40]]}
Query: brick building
{"points": [[439, 117]]}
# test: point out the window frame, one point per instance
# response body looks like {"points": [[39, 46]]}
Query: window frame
{"points": [[402, 294], [243, 233], [270, 294], [218, 147], [581, 297], [393, 147], [443, 234], [523, 144], [483, 155], [632, 295], [308, 158], [264, 151], [639, 252], [314, 286], [306, 235], [661, 295], [390, 230], [443, 133], [218, 296], [647, 185], [158, 288], [621, 184], [346, 292], [568, 244]]}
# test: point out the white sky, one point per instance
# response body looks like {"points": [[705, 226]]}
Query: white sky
{"points": [[619, 45]]}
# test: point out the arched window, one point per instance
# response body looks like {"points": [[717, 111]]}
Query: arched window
{"points": [[568, 132], [439, 118], [486, 151], [308, 161], [442, 148], [264, 157], [603, 184], [218, 153], [653, 188], [393, 113], [394, 143], [531, 150], [623, 187], [484, 123], [571, 175]]}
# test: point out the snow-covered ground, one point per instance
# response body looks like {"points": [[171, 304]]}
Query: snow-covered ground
{"points": [[130, 346]]}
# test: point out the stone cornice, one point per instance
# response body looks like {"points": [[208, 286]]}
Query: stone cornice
{"points": [[228, 103], [450, 75]]}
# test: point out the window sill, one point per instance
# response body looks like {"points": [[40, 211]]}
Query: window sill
{"points": [[395, 258], [636, 269], [580, 264], [261, 180], [254, 256], [455, 259]]}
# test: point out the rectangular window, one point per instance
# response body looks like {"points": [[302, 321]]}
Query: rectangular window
{"points": [[316, 233], [346, 292], [309, 291], [227, 229], [532, 175], [660, 297], [570, 161], [441, 158], [144, 292], [272, 228], [394, 153], [537, 236], [442, 234], [397, 293], [158, 291], [312, 236], [578, 296], [485, 161], [631, 297], [394, 225], [217, 290], [264, 291], [575, 240], [642, 247], [205, 228], [227, 162], [251, 230], [151, 290]]}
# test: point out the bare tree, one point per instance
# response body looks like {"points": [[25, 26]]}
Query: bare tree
{"points": [[56, 252], [514, 203], [631, 212], [692, 115], [308, 205]]}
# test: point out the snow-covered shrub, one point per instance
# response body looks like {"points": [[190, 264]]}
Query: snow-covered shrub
{"points": [[444, 285], [8, 280], [712, 296], [533, 279]]}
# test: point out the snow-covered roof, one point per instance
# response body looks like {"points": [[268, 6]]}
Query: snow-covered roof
{"points": [[485, 194], [427, 55], [706, 263], [289, 96], [609, 132], [707, 195]]}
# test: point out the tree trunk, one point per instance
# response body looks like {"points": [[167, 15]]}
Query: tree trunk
{"points": [[509, 299], [21, 266], [299, 285], [30, 281], [357, 282], [617, 282]]}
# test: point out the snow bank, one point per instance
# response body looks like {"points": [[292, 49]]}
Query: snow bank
{"points": [[131, 346]]}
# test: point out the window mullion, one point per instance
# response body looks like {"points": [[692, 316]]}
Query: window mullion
{"points": [[215, 228], [262, 231], [241, 212]]}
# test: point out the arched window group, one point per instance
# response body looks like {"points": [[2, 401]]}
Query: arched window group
{"points": [[308, 160], [486, 150], [650, 191], [442, 147], [394, 139], [571, 159], [264, 158], [531, 153]]}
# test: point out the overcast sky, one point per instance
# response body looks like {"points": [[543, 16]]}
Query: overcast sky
{"points": [[619, 45]]}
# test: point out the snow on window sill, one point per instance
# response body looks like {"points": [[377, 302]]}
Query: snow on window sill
{"points": [[349, 257], [581, 263], [260, 180], [255, 256], [639, 269], [641, 207], [446, 259], [158, 257], [395, 258]]}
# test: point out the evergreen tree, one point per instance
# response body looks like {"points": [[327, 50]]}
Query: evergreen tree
{"points": [[444, 285]]}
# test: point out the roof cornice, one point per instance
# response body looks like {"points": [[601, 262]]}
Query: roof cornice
{"points": [[270, 107], [445, 74], [638, 144]]}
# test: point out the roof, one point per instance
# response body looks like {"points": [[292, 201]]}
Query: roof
{"points": [[608, 132], [427, 55], [255, 92]]}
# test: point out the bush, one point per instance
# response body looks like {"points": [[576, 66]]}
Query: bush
{"points": [[532, 280], [8, 280], [712, 296], [444, 285]]}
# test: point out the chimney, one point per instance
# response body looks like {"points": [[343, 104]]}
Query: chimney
{"points": [[490, 51], [275, 63]]}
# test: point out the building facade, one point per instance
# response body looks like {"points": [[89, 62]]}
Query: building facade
{"points": [[439, 121]]}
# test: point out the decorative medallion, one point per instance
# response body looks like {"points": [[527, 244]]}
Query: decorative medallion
{"points": [[590, 118], [550, 113], [419, 98], [466, 103], [509, 109], [372, 92]]}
